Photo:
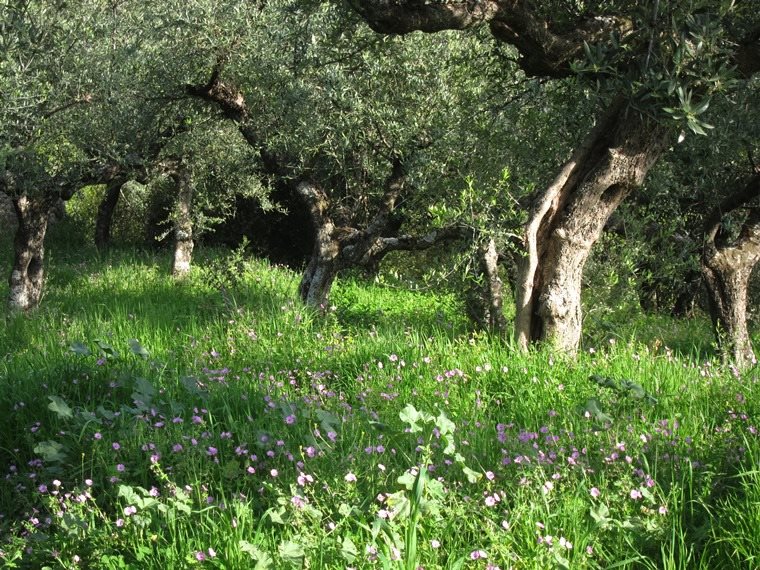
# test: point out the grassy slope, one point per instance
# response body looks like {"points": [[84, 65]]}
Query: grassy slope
{"points": [[237, 437]]}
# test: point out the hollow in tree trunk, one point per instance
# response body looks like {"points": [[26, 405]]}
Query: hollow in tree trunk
{"points": [[726, 269], [27, 274], [183, 224], [106, 209], [567, 219]]}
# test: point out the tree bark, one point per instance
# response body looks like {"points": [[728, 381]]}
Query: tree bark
{"points": [[487, 302], [323, 267], [183, 223], [567, 219], [106, 209], [726, 269], [27, 274]]}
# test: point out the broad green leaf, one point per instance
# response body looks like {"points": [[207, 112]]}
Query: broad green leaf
{"points": [[80, 349], [137, 348], [263, 560], [410, 416], [291, 553], [60, 408], [472, 476], [348, 550], [444, 424], [128, 494], [51, 451], [407, 480], [276, 515], [106, 348]]}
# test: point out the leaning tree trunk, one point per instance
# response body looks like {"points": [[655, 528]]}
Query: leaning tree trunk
{"points": [[567, 219], [726, 270], [28, 269], [183, 223], [105, 214]]}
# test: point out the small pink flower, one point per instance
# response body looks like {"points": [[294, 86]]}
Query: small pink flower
{"points": [[635, 494], [595, 492], [478, 555], [350, 478], [435, 543]]}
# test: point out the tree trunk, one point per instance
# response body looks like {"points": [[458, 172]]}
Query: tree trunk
{"points": [[183, 223], [567, 219], [105, 214], [323, 265], [27, 274], [726, 269], [487, 304]]}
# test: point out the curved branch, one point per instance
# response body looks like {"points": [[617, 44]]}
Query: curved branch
{"points": [[734, 201], [402, 17]]}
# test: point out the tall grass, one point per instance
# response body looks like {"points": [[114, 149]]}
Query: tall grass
{"points": [[216, 422]]}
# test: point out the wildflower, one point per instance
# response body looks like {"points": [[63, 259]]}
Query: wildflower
{"points": [[435, 543], [663, 510], [200, 556], [212, 451], [298, 502], [290, 420], [505, 524], [119, 523], [274, 473], [635, 494], [120, 468], [97, 435], [211, 552], [116, 446], [56, 483], [595, 492], [350, 478], [88, 482], [490, 475], [478, 554], [130, 510], [42, 489]]}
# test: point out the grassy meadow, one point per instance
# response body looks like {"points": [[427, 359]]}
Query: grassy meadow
{"points": [[217, 423]]}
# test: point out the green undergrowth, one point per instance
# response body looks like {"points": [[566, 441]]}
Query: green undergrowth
{"points": [[215, 422]]}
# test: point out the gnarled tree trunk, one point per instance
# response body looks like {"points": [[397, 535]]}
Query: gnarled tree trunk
{"points": [[726, 269], [28, 270], [567, 219], [183, 223], [323, 266], [105, 214]]}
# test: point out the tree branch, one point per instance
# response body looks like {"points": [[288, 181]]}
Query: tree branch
{"points": [[734, 201]]}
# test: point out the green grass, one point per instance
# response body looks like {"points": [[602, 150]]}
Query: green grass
{"points": [[253, 433]]}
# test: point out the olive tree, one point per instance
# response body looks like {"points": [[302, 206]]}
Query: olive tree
{"points": [[645, 58]]}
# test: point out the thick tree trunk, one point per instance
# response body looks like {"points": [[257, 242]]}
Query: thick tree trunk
{"points": [[567, 219], [27, 274], [105, 214], [183, 223], [726, 269], [322, 269]]}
